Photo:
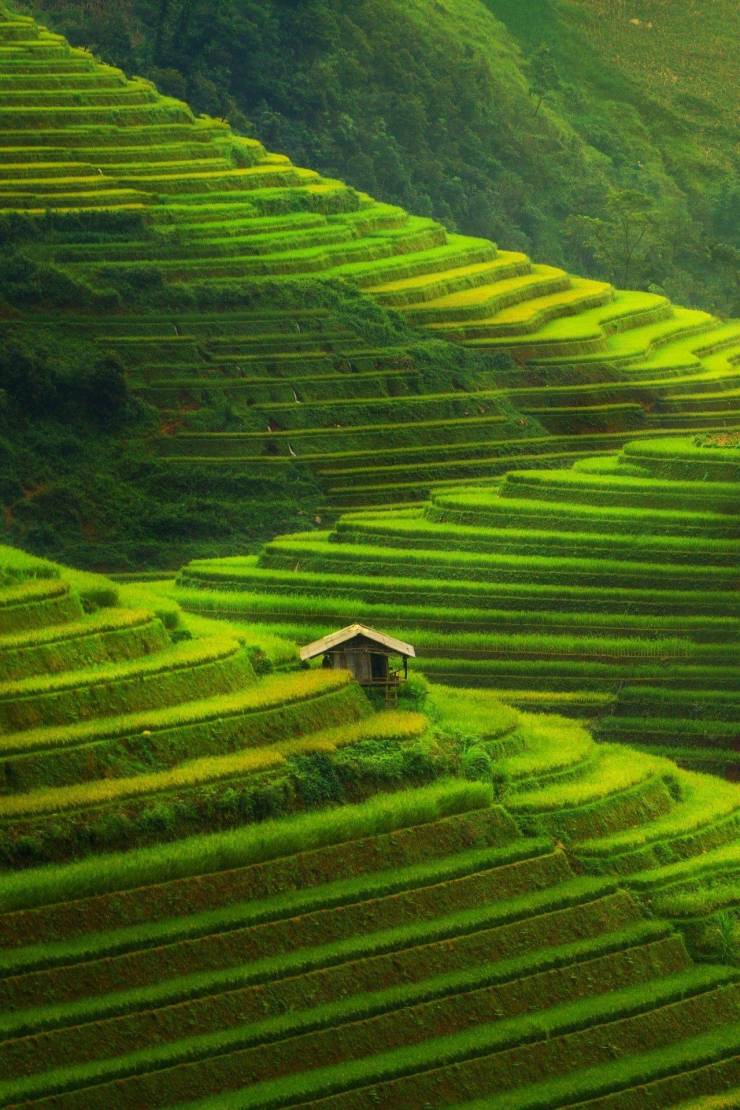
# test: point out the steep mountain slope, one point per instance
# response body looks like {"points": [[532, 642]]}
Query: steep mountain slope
{"points": [[438, 107], [606, 591], [250, 301]]}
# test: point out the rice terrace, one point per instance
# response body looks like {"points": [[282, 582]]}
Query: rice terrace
{"points": [[369, 474]]}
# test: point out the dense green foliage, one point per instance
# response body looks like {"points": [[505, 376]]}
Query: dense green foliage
{"points": [[78, 480], [514, 121]]}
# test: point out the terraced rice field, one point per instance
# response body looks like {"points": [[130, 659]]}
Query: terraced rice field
{"points": [[214, 219], [120, 724], [607, 591], [423, 948], [554, 926], [552, 930]]}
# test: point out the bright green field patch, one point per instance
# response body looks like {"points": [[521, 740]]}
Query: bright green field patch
{"points": [[394, 726], [272, 692], [477, 712], [704, 802], [553, 745], [237, 848], [254, 912], [611, 773]]}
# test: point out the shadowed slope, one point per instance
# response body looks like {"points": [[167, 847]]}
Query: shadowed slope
{"points": [[254, 342]]}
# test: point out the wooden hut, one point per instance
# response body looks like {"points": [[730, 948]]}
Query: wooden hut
{"points": [[376, 660]]}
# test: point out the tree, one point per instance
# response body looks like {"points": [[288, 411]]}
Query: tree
{"points": [[544, 76], [621, 240]]}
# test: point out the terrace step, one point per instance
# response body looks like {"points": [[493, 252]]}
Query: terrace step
{"points": [[490, 300], [37, 603], [634, 1018], [452, 1002], [105, 638], [467, 508], [705, 816], [60, 817], [428, 284], [694, 1066], [327, 851], [278, 709], [610, 795], [613, 490], [529, 312], [150, 682], [224, 950], [384, 530], [311, 568]]}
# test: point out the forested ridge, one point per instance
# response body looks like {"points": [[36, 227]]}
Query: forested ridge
{"points": [[542, 126], [125, 215]]}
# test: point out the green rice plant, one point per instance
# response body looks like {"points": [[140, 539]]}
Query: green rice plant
{"points": [[698, 705], [276, 690], [612, 773], [267, 651], [674, 731], [277, 709], [706, 806], [396, 726], [477, 508], [34, 604], [534, 908], [605, 952], [418, 531], [716, 761], [275, 607], [682, 458], [474, 712], [447, 993], [608, 490], [694, 870], [554, 748], [678, 1065], [699, 903], [712, 1102], [573, 703], [290, 904], [415, 292], [432, 1056], [419, 598], [237, 848], [191, 667], [179, 901], [17, 564], [117, 635]]}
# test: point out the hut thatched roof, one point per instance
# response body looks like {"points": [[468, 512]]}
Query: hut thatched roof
{"points": [[336, 639]]}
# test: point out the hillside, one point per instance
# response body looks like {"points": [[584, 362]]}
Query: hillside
{"points": [[607, 591], [122, 722], [555, 929], [635, 97], [232, 877], [278, 330]]}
